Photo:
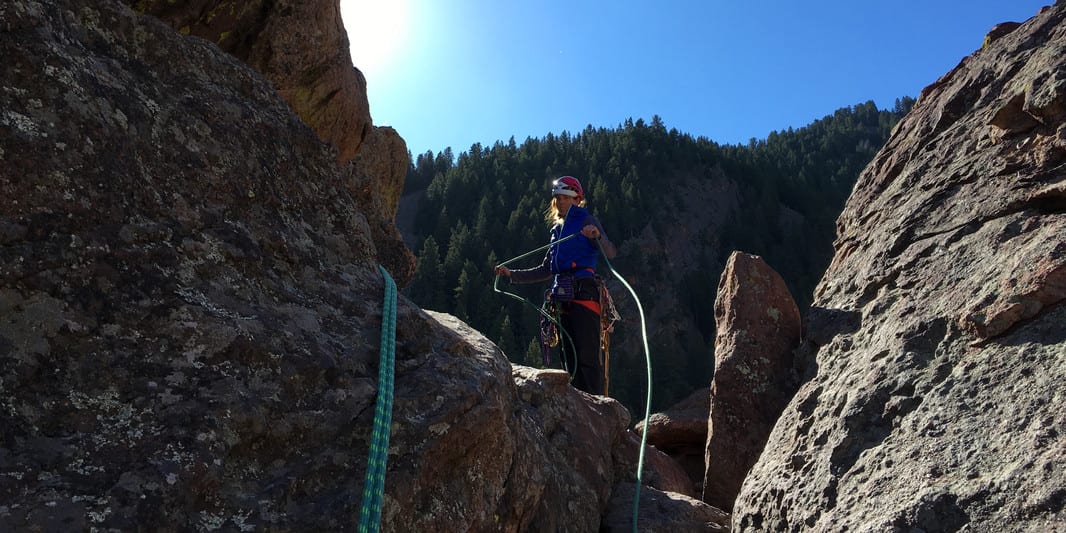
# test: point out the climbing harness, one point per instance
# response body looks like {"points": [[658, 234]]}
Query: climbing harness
{"points": [[604, 341], [549, 330], [374, 485]]}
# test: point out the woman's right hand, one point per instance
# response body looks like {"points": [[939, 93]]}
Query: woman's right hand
{"points": [[503, 271]]}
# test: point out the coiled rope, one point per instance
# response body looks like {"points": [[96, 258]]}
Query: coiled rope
{"points": [[374, 485], [540, 309], [496, 284], [644, 339]]}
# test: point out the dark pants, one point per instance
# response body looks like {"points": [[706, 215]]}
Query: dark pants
{"points": [[580, 342]]}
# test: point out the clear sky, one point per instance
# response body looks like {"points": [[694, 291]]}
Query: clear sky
{"points": [[452, 73]]}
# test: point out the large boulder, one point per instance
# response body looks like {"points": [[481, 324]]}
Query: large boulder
{"points": [[662, 512], [758, 327], [190, 316], [681, 432], [934, 402]]}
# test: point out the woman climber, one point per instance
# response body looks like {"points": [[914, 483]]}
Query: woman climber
{"points": [[575, 288]]}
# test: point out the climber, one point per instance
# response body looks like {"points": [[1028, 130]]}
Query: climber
{"points": [[575, 288]]}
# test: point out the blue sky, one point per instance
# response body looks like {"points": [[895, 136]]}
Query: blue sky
{"points": [[455, 73]]}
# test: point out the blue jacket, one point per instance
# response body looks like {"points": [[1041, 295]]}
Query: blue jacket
{"points": [[577, 255]]}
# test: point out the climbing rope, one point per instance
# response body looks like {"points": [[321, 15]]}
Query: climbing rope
{"points": [[647, 399], [496, 284], [643, 336], [374, 485]]}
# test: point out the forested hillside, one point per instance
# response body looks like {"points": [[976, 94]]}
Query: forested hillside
{"points": [[675, 205]]}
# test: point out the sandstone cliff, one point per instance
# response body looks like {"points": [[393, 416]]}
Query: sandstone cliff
{"points": [[935, 400], [190, 307]]}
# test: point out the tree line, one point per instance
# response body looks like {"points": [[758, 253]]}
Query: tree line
{"points": [[486, 205]]}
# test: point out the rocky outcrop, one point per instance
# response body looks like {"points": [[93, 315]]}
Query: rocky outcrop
{"points": [[662, 512], [681, 433], [758, 328], [190, 316], [660, 470], [375, 177], [935, 403], [301, 47]]}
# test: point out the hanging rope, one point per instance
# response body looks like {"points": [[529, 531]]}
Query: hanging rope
{"points": [[374, 485], [647, 399]]}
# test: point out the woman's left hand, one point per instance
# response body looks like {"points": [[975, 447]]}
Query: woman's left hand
{"points": [[591, 232]]}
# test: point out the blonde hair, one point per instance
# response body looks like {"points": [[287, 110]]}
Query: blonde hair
{"points": [[552, 215]]}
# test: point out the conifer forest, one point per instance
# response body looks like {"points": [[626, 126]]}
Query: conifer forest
{"points": [[675, 206]]}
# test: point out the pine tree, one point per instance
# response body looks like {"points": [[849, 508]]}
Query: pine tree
{"points": [[505, 337], [534, 356], [427, 284]]}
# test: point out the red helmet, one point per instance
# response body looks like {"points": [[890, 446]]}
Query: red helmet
{"points": [[568, 186]]}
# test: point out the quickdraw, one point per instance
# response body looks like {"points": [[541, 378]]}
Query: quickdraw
{"points": [[549, 331], [608, 316]]}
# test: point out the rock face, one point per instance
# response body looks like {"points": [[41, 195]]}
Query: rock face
{"points": [[375, 177], [661, 471], [681, 433], [300, 46], [758, 327], [190, 314], [662, 512], [935, 400]]}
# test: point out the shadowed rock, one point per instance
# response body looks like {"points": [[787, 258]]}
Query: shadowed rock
{"points": [[301, 47], [661, 471], [375, 178], [681, 433], [662, 512]]}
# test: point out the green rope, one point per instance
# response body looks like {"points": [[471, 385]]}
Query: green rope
{"points": [[540, 309], [374, 486], [496, 284], [647, 400]]}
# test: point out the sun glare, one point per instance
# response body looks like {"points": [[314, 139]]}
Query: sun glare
{"points": [[377, 31]]}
